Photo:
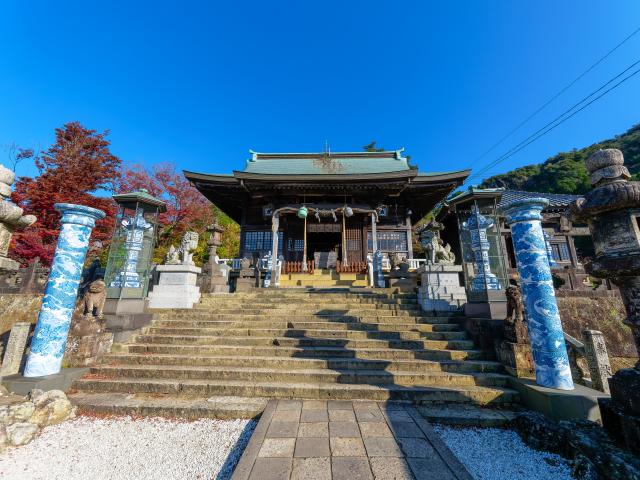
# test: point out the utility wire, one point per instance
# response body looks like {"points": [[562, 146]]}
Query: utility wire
{"points": [[526, 120], [560, 120]]}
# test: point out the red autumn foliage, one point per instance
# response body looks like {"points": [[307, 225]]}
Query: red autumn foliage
{"points": [[76, 167]]}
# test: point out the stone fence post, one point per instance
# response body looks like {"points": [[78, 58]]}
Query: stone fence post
{"points": [[15, 349], [595, 350], [50, 337]]}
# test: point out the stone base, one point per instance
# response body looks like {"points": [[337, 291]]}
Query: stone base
{"points": [[176, 288], [578, 404], [495, 309], [403, 284], [440, 288], [125, 317], [216, 279], [59, 381], [83, 351], [517, 359], [8, 264], [246, 284]]}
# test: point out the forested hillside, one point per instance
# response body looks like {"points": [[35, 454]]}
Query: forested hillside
{"points": [[565, 172]]}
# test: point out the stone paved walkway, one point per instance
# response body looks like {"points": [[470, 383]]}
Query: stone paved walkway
{"points": [[325, 440]]}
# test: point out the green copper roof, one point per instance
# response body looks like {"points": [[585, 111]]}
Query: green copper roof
{"points": [[326, 163], [142, 196]]}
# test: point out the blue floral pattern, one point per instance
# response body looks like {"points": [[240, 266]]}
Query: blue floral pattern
{"points": [[50, 336], [545, 329]]}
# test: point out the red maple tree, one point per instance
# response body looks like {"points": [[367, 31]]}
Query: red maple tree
{"points": [[77, 168]]}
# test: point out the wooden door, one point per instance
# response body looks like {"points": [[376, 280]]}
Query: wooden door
{"points": [[353, 234]]}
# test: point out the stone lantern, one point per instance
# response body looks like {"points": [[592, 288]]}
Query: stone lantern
{"points": [[611, 210], [11, 217], [216, 279]]}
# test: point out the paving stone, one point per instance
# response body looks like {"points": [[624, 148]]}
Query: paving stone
{"points": [[369, 415], [341, 416], [271, 469], [365, 405], [314, 404], [340, 405], [406, 429], [312, 447], [286, 416], [430, 468], [311, 468], [314, 429], [282, 430], [344, 429], [417, 447], [382, 447], [385, 468], [314, 416], [397, 416], [347, 447], [375, 429], [289, 405], [277, 447], [351, 468]]}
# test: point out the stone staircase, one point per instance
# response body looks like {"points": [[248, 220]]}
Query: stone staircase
{"points": [[221, 358]]}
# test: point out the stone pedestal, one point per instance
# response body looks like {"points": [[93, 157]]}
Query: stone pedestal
{"points": [[87, 341], [176, 288], [247, 277], [516, 359], [15, 349], [217, 280], [440, 288]]}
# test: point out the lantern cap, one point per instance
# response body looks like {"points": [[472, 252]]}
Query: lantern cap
{"points": [[141, 195]]}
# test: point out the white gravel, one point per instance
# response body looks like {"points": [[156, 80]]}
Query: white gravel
{"points": [[495, 454], [127, 448]]}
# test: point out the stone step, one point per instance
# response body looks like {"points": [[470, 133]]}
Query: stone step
{"points": [[337, 363], [254, 374], [321, 391], [467, 415], [318, 307], [306, 352], [282, 303], [220, 407], [303, 333], [304, 342], [204, 315], [333, 325]]}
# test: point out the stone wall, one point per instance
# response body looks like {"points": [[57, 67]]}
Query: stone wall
{"points": [[18, 308], [598, 313]]}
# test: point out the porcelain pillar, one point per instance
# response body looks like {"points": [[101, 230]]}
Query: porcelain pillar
{"points": [[50, 336], [543, 319]]}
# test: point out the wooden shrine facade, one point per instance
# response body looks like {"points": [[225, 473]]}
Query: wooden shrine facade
{"points": [[354, 203]]}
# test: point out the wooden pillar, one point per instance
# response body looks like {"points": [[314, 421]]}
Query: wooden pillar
{"points": [[345, 260], [409, 238], [275, 224], [374, 235], [304, 246]]}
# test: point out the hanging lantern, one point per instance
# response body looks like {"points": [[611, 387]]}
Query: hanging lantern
{"points": [[302, 212], [348, 212]]}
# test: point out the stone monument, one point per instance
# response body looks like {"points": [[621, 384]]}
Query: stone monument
{"points": [[247, 280], [177, 284], [611, 210], [88, 340], [12, 360], [400, 277], [216, 274], [514, 350], [440, 288], [10, 218]]}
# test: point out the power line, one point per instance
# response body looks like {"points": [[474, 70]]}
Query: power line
{"points": [[560, 120], [526, 120]]}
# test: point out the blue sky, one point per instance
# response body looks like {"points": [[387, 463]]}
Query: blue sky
{"points": [[200, 83]]}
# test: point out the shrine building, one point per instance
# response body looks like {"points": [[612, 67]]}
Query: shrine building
{"points": [[330, 209]]}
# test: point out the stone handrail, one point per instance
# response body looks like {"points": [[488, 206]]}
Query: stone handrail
{"points": [[589, 360]]}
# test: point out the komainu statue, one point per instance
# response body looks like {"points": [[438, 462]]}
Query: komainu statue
{"points": [[94, 298], [187, 246], [172, 256], [515, 325]]}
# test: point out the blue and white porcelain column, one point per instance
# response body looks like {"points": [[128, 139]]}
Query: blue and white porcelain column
{"points": [[543, 319], [50, 336]]}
